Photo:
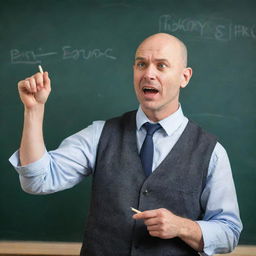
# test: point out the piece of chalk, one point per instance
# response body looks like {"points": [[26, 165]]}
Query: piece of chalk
{"points": [[40, 69], [135, 210]]}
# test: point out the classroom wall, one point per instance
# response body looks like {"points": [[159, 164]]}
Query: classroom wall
{"points": [[88, 47]]}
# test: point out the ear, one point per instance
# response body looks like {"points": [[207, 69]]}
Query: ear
{"points": [[186, 75]]}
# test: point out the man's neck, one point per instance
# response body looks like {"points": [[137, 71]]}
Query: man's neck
{"points": [[156, 116]]}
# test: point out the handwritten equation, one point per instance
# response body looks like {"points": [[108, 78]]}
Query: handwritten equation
{"points": [[67, 53], [212, 28]]}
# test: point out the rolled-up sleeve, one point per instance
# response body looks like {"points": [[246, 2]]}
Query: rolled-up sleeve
{"points": [[64, 167], [33, 169], [221, 225]]}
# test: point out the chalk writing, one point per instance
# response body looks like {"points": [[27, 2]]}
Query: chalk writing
{"points": [[75, 54], [210, 28], [169, 24], [67, 53], [28, 57]]}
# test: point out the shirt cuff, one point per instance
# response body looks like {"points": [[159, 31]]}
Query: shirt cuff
{"points": [[208, 239], [36, 168], [211, 240]]}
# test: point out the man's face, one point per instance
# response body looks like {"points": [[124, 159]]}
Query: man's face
{"points": [[158, 76]]}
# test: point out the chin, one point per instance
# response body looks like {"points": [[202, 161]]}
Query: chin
{"points": [[149, 106]]}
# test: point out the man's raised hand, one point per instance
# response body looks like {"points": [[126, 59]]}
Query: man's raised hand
{"points": [[35, 90]]}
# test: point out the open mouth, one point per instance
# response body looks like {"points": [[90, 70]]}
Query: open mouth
{"points": [[150, 90]]}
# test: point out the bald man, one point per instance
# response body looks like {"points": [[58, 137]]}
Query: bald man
{"points": [[184, 190]]}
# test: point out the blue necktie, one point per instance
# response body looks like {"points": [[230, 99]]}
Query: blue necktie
{"points": [[147, 149]]}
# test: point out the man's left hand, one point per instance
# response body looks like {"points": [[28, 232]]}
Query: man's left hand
{"points": [[161, 223]]}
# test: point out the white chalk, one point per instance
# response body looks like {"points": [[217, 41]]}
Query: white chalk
{"points": [[40, 69], [135, 210]]}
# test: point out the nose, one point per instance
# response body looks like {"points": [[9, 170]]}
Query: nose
{"points": [[150, 73]]}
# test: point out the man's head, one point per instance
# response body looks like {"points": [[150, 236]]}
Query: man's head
{"points": [[160, 70]]}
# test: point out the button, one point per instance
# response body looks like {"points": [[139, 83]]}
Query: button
{"points": [[145, 192]]}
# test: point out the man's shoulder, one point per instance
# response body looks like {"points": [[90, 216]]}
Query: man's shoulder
{"points": [[116, 127], [201, 129], [125, 115], [124, 119]]}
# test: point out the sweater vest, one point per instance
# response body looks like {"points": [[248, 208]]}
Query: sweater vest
{"points": [[119, 183]]}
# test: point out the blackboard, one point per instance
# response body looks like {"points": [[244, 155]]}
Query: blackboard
{"points": [[88, 48]]}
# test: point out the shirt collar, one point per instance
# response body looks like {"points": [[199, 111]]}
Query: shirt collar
{"points": [[169, 124]]}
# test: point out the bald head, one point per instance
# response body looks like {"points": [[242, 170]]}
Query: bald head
{"points": [[165, 41]]}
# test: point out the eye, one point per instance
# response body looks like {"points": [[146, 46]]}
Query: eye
{"points": [[141, 65], [161, 65]]}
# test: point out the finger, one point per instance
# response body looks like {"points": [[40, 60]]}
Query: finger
{"points": [[32, 84], [26, 85], [47, 81], [21, 84], [145, 215], [39, 79], [151, 221], [153, 228], [155, 233]]}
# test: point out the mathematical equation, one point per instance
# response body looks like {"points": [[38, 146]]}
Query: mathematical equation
{"points": [[212, 28], [67, 53]]}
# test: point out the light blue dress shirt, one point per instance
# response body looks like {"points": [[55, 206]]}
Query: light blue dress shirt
{"points": [[75, 159]]}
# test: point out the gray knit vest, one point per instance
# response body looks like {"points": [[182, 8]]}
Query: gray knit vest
{"points": [[119, 183]]}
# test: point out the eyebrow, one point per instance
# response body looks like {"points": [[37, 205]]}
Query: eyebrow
{"points": [[141, 58]]}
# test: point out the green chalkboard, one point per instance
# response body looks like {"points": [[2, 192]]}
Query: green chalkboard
{"points": [[88, 47]]}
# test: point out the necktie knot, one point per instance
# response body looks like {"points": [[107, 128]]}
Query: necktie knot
{"points": [[151, 128]]}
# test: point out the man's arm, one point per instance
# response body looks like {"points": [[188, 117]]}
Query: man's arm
{"points": [[43, 172], [221, 224], [34, 92], [164, 224], [220, 228]]}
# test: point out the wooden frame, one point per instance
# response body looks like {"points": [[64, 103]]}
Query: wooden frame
{"points": [[8, 248]]}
